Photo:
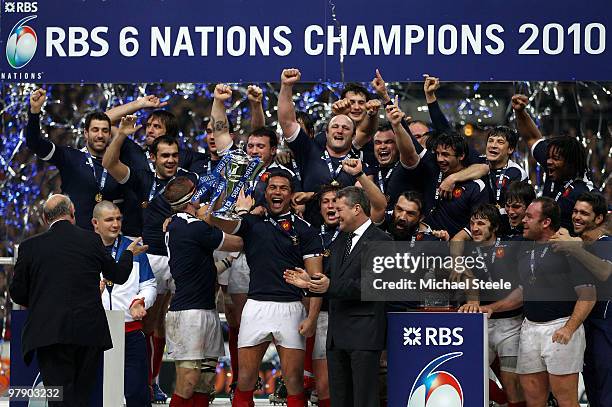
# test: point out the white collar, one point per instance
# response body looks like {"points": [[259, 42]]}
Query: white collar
{"points": [[361, 229], [57, 220]]}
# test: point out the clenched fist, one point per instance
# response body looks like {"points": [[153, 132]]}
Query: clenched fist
{"points": [[255, 94], [37, 100], [290, 77], [223, 92]]}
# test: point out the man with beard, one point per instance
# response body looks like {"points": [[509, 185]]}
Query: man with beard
{"points": [[407, 219], [504, 327], [318, 166], [563, 158], [448, 157], [557, 296], [595, 254], [274, 310], [158, 123], [148, 188], [83, 177]]}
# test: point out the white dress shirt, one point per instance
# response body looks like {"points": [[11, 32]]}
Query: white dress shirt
{"points": [[359, 232]]}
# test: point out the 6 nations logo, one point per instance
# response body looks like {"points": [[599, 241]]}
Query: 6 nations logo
{"points": [[21, 43]]}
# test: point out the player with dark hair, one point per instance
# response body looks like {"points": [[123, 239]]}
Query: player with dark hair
{"points": [[159, 122], [504, 328], [395, 155], [274, 309], [148, 188], [81, 171], [563, 158], [552, 341], [448, 157], [592, 249]]}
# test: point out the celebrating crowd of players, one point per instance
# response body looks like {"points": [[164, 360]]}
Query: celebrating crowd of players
{"points": [[415, 181]]}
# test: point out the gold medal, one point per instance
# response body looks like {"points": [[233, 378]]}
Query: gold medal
{"points": [[295, 240], [335, 183], [326, 253], [99, 197], [144, 204], [109, 283]]}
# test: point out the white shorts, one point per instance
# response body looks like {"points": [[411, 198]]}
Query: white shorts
{"points": [[538, 353], [320, 350], [263, 321], [237, 277], [161, 270], [194, 334], [504, 337]]}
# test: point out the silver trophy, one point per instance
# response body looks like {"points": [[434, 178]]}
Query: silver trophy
{"points": [[234, 174]]}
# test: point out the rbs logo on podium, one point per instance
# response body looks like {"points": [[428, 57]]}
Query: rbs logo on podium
{"points": [[432, 336]]}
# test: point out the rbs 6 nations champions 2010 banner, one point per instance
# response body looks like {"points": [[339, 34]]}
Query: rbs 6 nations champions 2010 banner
{"points": [[336, 40]]}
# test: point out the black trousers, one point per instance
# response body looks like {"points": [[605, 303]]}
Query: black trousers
{"points": [[353, 377], [71, 366], [136, 384]]}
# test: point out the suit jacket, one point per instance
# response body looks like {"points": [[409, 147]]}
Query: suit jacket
{"points": [[353, 324], [57, 277]]}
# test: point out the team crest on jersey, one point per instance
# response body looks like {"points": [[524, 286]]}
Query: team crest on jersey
{"points": [[567, 192], [264, 177], [286, 225], [457, 192], [419, 236], [500, 252]]}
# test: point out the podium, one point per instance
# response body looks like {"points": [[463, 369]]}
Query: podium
{"points": [[437, 359], [108, 390]]}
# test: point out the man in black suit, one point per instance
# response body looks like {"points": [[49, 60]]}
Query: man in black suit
{"points": [[57, 277], [357, 329]]}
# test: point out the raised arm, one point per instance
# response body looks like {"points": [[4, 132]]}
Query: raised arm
{"points": [[223, 139], [366, 129], [286, 108], [438, 120], [111, 161], [408, 154], [526, 127], [255, 96], [42, 147], [378, 202], [145, 102]]}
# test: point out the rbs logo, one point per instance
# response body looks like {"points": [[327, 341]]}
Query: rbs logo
{"points": [[21, 7], [433, 336]]}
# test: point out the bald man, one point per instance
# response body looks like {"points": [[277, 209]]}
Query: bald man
{"points": [[57, 278]]}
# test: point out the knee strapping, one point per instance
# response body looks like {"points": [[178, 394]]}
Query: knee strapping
{"points": [[208, 371]]}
